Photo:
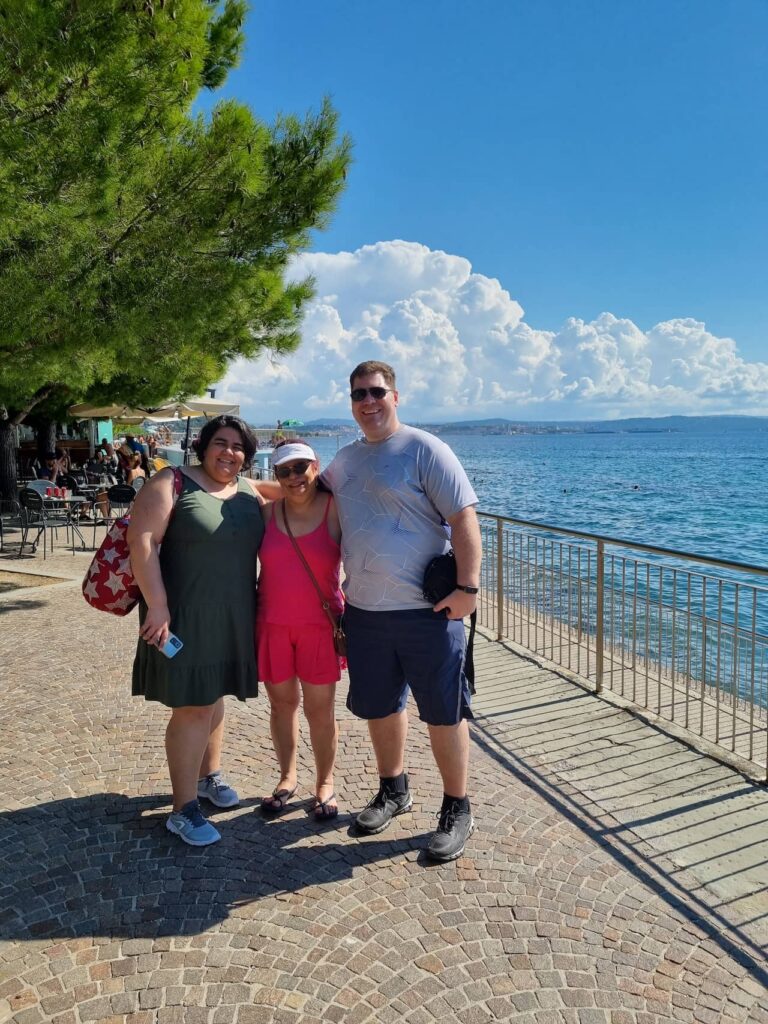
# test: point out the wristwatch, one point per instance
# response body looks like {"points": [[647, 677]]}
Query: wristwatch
{"points": [[468, 590]]}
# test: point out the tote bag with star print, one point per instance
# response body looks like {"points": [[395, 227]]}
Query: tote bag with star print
{"points": [[109, 584]]}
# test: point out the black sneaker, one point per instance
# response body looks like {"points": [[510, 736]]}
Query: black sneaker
{"points": [[387, 803], [454, 829]]}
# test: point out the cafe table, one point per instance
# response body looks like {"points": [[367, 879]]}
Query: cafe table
{"points": [[70, 506]]}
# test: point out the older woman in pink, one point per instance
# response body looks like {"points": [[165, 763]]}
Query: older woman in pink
{"points": [[296, 656]]}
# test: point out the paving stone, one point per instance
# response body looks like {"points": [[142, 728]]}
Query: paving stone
{"points": [[559, 913]]}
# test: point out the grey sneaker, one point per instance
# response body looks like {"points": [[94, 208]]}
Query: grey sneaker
{"points": [[191, 827], [455, 827], [387, 803], [214, 788]]}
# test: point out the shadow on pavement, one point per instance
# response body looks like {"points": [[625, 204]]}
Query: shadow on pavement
{"points": [[633, 857], [106, 865], [9, 605]]}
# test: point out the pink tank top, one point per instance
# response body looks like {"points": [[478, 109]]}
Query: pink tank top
{"points": [[286, 595]]}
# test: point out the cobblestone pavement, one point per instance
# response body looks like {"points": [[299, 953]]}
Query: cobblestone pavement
{"points": [[104, 916]]}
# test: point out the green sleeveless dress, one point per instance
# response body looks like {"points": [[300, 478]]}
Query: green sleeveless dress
{"points": [[208, 561]]}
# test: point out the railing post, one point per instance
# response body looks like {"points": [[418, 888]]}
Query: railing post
{"points": [[599, 638], [499, 579]]}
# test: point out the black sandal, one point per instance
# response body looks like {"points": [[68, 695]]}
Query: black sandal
{"points": [[282, 796], [322, 810]]}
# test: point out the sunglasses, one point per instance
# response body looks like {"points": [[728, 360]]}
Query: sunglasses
{"points": [[297, 468], [358, 394]]}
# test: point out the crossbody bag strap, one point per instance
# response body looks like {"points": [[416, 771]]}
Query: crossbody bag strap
{"points": [[305, 563], [178, 484]]}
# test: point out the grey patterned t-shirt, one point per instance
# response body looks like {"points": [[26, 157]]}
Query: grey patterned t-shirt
{"points": [[393, 498]]}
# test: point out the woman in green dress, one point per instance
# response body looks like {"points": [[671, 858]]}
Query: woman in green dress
{"points": [[193, 552]]}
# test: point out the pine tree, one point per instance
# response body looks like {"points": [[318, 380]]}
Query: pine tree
{"points": [[142, 248]]}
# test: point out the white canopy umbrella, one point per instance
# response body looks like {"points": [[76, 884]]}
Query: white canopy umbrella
{"points": [[163, 413], [124, 413], [193, 407], [189, 408], [86, 411]]}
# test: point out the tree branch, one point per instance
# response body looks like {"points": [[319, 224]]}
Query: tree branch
{"points": [[16, 417]]}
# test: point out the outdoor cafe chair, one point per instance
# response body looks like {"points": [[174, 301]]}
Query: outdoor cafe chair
{"points": [[41, 486], [11, 517], [120, 498], [42, 520]]}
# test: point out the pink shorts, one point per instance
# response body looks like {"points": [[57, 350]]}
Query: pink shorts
{"points": [[303, 651]]}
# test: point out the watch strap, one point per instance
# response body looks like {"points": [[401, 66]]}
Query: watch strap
{"points": [[468, 590]]}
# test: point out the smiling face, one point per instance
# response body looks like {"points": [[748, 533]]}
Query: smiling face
{"points": [[376, 417], [298, 487], [225, 455]]}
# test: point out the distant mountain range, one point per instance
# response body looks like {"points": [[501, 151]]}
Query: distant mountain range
{"points": [[634, 424]]}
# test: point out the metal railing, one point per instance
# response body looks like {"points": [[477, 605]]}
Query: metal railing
{"points": [[681, 635]]}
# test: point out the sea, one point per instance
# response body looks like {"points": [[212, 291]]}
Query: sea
{"points": [[700, 490]]}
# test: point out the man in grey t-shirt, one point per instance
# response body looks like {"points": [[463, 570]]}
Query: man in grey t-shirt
{"points": [[399, 492]]}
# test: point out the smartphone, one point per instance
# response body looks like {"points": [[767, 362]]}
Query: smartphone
{"points": [[171, 647]]}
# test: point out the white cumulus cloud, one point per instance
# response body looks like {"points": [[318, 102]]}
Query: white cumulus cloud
{"points": [[462, 350]]}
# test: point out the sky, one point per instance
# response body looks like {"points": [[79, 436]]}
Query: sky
{"points": [[556, 210]]}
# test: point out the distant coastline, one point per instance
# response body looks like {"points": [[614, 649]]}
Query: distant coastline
{"points": [[506, 427]]}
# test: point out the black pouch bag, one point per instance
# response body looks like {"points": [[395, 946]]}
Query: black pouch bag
{"points": [[439, 580]]}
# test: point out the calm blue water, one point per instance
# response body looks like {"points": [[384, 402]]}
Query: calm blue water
{"points": [[701, 491]]}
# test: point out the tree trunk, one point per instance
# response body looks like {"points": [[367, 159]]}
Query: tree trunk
{"points": [[45, 431], [8, 477]]}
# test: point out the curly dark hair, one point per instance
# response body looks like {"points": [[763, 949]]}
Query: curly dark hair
{"points": [[212, 426]]}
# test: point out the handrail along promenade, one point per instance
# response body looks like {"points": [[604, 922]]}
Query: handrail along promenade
{"points": [[649, 623]]}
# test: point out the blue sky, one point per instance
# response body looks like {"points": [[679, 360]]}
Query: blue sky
{"points": [[590, 157]]}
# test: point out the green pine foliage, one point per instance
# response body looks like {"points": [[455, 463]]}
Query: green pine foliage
{"points": [[143, 248]]}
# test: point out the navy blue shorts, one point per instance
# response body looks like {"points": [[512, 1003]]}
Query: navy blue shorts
{"points": [[389, 653]]}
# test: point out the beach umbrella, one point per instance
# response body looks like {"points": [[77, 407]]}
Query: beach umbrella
{"points": [[194, 407], [116, 411], [190, 407]]}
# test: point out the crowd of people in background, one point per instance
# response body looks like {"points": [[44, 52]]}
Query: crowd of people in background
{"points": [[111, 463]]}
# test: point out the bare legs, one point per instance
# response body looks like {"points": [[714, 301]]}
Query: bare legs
{"points": [[388, 737], [193, 747], [323, 734], [284, 726], [318, 701], [450, 747]]}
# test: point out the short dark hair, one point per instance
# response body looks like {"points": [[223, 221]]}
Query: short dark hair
{"points": [[371, 366], [50, 455], [226, 420]]}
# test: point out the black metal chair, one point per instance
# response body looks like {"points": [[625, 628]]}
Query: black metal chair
{"points": [[120, 498], [41, 519], [11, 517]]}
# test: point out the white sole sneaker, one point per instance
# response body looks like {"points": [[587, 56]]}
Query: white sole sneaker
{"points": [[185, 832]]}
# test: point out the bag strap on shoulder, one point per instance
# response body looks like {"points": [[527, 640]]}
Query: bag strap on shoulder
{"points": [[323, 601]]}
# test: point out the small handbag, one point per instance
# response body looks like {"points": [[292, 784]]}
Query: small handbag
{"points": [[440, 577], [439, 581], [339, 636], [109, 584]]}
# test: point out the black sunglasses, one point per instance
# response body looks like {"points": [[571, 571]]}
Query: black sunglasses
{"points": [[358, 394], [297, 468]]}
